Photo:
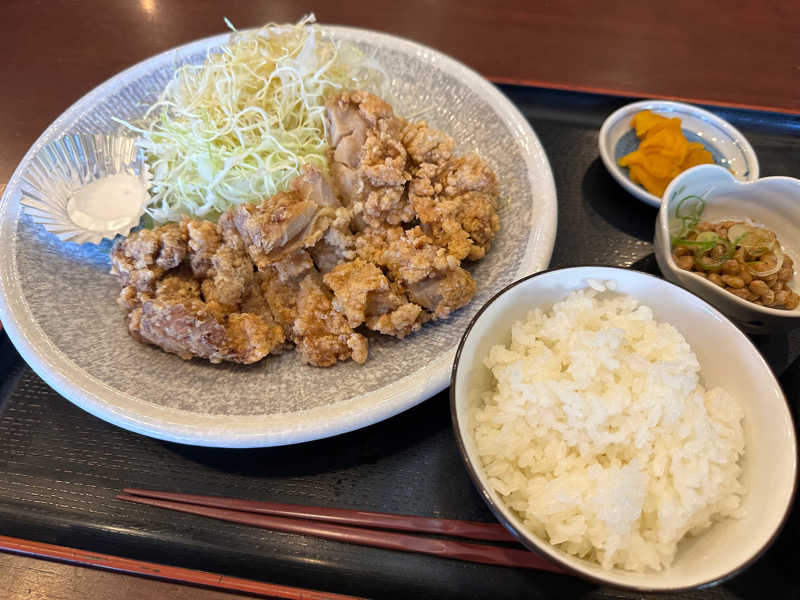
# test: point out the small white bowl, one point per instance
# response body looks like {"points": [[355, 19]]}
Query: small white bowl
{"points": [[727, 357], [773, 202], [726, 144]]}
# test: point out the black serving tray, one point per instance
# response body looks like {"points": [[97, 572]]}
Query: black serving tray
{"points": [[61, 468]]}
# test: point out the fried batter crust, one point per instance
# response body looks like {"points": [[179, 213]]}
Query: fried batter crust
{"points": [[378, 245], [322, 335], [177, 320], [456, 202]]}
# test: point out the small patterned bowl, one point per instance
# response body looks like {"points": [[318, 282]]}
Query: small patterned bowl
{"points": [[726, 144]]}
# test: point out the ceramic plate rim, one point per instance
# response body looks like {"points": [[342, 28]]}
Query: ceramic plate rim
{"points": [[170, 424], [606, 153]]}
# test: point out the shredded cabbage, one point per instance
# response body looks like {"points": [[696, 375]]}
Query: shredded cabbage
{"points": [[239, 127]]}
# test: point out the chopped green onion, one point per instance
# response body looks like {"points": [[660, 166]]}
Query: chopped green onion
{"points": [[707, 263], [704, 246], [688, 211]]}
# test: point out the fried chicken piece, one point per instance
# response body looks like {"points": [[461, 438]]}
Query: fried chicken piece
{"points": [[280, 286], [287, 221], [226, 228], [157, 250], [407, 255], [370, 162], [456, 203], [294, 267], [314, 186], [204, 240], [182, 328], [230, 273], [141, 259], [173, 245], [427, 145], [426, 273], [184, 284], [353, 283], [254, 300], [277, 227], [281, 297], [338, 243], [364, 295], [178, 285], [302, 306], [177, 320], [443, 293], [322, 335], [129, 297], [399, 323], [250, 338], [188, 329]]}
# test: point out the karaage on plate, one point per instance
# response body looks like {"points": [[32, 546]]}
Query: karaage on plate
{"points": [[376, 245]]}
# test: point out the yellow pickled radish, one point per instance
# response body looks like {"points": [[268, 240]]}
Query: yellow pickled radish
{"points": [[664, 152]]}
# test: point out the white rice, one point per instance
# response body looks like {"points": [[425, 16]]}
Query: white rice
{"points": [[600, 436]]}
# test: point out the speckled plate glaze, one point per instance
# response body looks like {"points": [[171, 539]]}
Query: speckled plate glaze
{"points": [[57, 300]]}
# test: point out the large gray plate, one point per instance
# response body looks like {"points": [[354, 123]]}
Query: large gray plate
{"points": [[57, 300]]}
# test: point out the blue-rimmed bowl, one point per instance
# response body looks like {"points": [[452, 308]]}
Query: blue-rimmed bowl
{"points": [[726, 144]]}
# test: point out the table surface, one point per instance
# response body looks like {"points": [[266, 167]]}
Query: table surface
{"points": [[735, 52], [732, 53]]}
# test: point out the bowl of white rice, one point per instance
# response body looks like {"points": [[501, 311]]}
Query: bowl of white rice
{"points": [[624, 428]]}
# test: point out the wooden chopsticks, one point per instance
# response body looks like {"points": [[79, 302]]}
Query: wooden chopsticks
{"points": [[350, 526]]}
